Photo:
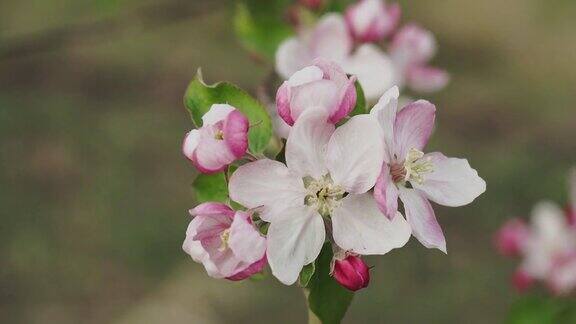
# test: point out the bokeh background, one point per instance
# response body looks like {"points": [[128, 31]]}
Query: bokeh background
{"points": [[94, 190]]}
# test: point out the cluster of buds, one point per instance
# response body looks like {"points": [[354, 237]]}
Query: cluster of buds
{"points": [[546, 246], [354, 40]]}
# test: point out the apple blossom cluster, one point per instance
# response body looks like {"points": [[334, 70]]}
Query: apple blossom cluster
{"points": [[546, 246], [352, 40], [340, 180]]}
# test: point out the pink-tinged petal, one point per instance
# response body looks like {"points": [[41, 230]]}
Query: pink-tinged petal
{"points": [[197, 252], [294, 240], [371, 20], [426, 78], [386, 193], [420, 215], [224, 259], [452, 182], [216, 113], [267, 184], [211, 155], [330, 39], [211, 227], [522, 281], [291, 56], [319, 95], [385, 112], [413, 127], [351, 272], [235, 131], [252, 269], [562, 280], [306, 75], [190, 143], [245, 240], [212, 208], [512, 237], [306, 146], [358, 226], [346, 90], [283, 103], [374, 70], [412, 45], [355, 154]]}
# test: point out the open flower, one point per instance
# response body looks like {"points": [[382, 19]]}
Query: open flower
{"points": [[221, 140], [411, 49], [225, 242], [322, 85], [415, 177], [327, 175], [550, 250], [331, 40], [372, 20]]}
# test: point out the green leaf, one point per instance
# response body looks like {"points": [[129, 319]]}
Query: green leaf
{"points": [[306, 274], [211, 187], [327, 299], [536, 310], [260, 25], [360, 107], [200, 97]]}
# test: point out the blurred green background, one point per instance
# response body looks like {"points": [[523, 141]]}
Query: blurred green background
{"points": [[94, 190]]}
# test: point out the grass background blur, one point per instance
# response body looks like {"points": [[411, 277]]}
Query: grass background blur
{"points": [[94, 190]]}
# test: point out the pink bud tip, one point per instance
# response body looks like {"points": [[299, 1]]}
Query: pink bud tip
{"points": [[571, 215], [352, 273], [522, 281], [511, 238]]}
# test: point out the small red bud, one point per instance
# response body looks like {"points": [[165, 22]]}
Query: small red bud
{"points": [[522, 281], [351, 272]]}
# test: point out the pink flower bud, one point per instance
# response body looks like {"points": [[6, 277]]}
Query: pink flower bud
{"points": [[522, 281], [222, 139], [512, 237], [323, 85], [351, 272], [226, 242], [372, 20], [571, 215]]}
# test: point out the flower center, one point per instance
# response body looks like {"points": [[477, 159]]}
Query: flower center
{"points": [[219, 135], [413, 168], [323, 194], [224, 237]]}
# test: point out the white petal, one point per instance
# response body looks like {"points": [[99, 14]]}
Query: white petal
{"points": [[190, 144], [197, 252], [294, 240], [291, 56], [359, 226], [216, 113], [452, 182], [422, 220], [268, 184], [319, 95], [385, 112], [306, 75], [374, 69], [549, 221], [306, 145], [245, 241], [355, 154], [330, 39]]}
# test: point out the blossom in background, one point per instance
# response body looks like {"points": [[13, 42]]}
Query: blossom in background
{"points": [[349, 270], [222, 139], [411, 49], [547, 247], [327, 175], [331, 40], [372, 20], [322, 85], [225, 242], [405, 63], [414, 177]]}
